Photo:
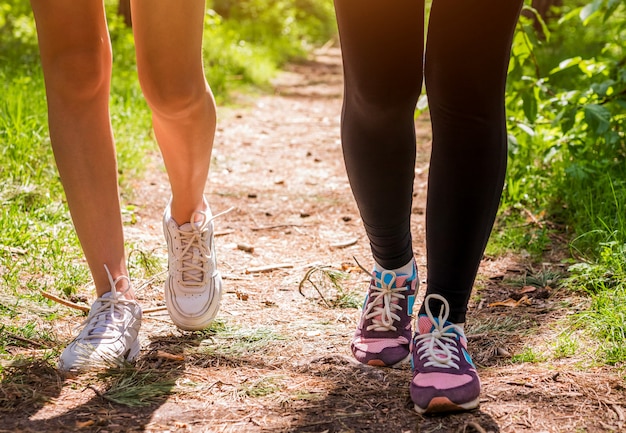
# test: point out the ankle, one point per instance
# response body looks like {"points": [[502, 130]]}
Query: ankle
{"points": [[182, 213], [407, 269]]}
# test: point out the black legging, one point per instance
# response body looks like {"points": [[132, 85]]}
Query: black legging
{"points": [[467, 55]]}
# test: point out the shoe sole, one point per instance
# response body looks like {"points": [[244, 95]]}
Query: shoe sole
{"points": [[443, 404], [129, 356], [380, 363], [133, 352]]}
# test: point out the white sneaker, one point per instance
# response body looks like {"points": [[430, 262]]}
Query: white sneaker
{"points": [[110, 335], [193, 289]]}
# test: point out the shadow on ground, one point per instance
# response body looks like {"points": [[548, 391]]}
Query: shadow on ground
{"points": [[369, 399], [36, 397]]}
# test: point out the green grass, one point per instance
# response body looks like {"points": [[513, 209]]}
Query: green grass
{"points": [[515, 233], [566, 346], [232, 342], [261, 387], [135, 387], [500, 325], [528, 355]]}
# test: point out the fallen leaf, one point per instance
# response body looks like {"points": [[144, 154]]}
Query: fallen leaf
{"points": [[241, 295], [85, 424], [528, 289], [511, 302], [349, 268], [502, 352], [170, 356]]}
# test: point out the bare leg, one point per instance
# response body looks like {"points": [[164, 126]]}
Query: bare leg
{"points": [[76, 58], [168, 35]]}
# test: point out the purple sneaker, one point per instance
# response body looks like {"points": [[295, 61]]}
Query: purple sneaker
{"points": [[383, 335], [444, 376]]}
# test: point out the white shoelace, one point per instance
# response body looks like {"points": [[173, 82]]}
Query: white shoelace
{"points": [[439, 346], [382, 308], [196, 253], [103, 321]]}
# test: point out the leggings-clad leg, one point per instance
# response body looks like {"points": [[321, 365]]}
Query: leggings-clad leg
{"points": [[467, 57], [382, 48], [465, 66]]}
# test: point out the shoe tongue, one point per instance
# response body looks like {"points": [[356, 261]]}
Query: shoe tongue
{"points": [[190, 226], [424, 325], [185, 227], [104, 318], [387, 278], [193, 274]]}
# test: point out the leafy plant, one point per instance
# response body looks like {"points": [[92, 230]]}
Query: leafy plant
{"points": [[566, 101], [325, 280]]}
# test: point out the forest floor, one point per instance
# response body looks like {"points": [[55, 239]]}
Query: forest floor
{"points": [[277, 358]]}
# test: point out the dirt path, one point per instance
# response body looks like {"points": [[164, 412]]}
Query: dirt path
{"points": [[278, 361]]}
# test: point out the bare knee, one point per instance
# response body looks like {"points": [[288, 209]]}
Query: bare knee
{"points": [[79, 76], [175, 97]]}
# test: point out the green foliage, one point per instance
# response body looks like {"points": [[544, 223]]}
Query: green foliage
{"points": [[299, 21], [246, 41], [566, 346], [17, 34], [566, 114], [566, 103], [325, 282]]}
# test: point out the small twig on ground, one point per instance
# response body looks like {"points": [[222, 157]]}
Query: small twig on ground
{"points": [[473, 425], [268, 268], [619, 411], [25, 340], [278, 226], [169, 356], [100, 394], [533, 218], [245, 247], [477, 336], [223, 232], [85, 308], [235, 278], [154, 309], [345, 244], [64, 302], [524, 384]]}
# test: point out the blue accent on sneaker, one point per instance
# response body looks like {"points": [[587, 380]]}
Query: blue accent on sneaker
{"points": [[411, 302]]}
